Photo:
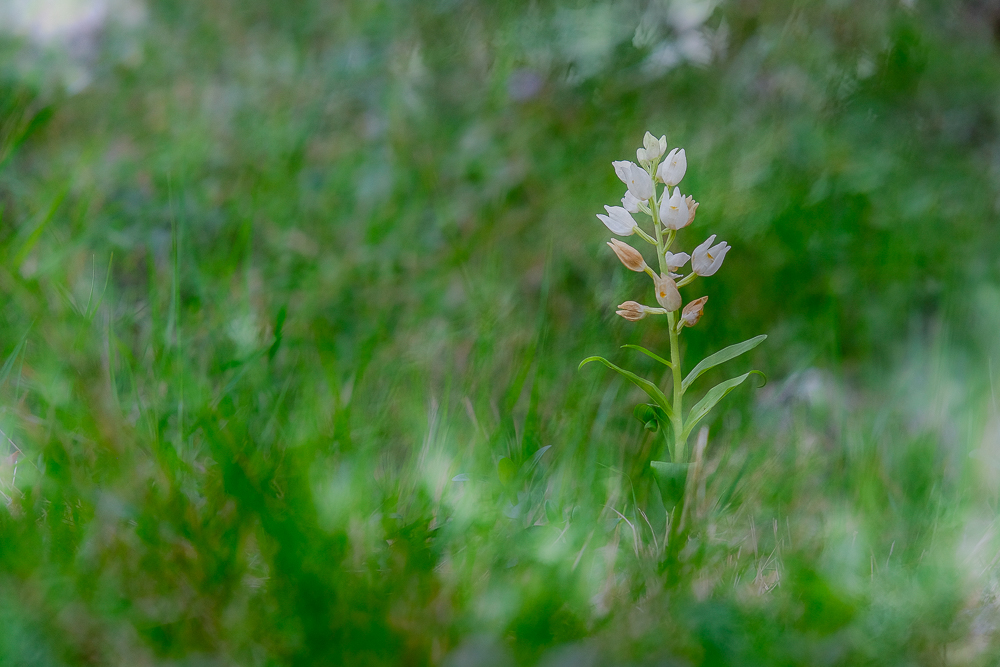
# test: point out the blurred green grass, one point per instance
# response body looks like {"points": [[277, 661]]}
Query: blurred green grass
{"points": [[353, 254]]}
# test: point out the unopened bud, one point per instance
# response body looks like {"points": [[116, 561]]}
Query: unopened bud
{"points": [[631, 311], [692, 208], [629, 256], [693, 312], [666, 293]]}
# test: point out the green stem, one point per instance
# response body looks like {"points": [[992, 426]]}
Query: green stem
{"points": [[678, 454]]}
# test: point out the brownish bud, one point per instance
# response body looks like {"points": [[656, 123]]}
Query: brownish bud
{"points": [[629, 256], [631, 311], [666, 292], [692, 209], [693, 312]]}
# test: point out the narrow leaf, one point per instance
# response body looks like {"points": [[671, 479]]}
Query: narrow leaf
{"points": [[651, 355], [714, 395], [721, 357], [651, 389]]}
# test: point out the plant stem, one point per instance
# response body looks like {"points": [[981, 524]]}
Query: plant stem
{"points": [[675, 362], [677, 454]]}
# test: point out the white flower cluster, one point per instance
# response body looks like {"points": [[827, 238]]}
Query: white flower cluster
{"points": [[670, 211]]}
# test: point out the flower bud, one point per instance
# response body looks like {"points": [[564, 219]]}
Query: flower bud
{"points": [[618, 220], [676, 261], [673, 211], [692, 312], [666, 292], [630, 257], [692, 208], [673, 167], [706, 260], [639, 183], [631, 311], [652, 148]]}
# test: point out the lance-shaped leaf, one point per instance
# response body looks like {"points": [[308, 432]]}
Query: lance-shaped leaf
{"points": [[649, 354], [714, 395], [651, 389], [721, 357]]}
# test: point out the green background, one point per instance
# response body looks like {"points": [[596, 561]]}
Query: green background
{"points": [[278, 272]]}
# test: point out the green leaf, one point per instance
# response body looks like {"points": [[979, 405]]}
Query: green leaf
{"points": [[721, 357], [671, 478], [650, 355], [714, 395], [506, 470], [651, 389]]}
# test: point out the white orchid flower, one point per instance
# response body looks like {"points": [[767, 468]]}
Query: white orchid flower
{"points": [[630, 203], [675, 261], [673, 167], [707, 259], [639, 183], [652, 148], [674, 212], [618, 220]]}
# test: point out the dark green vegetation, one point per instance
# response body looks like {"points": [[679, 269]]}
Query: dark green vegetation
{"points": [[284, 269]]}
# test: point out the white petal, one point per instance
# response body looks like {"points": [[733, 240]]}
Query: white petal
{"points": [[673, 167], [618, 221], [674, 210], [676, 261], [630, 203], [622, 169], [639, 183]]}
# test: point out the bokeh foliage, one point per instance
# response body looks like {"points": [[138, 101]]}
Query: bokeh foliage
{"points": [[283, 270]]}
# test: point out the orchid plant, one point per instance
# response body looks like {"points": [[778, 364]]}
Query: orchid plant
{"points": [[669, 211]]}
